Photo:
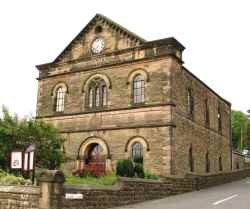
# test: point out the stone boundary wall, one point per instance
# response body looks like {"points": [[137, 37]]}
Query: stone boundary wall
{"points": [[131, 191], [19, 197], [52, 192], [128, 192], [209, 180]]}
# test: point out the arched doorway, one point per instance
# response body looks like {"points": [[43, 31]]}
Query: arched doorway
{"points": [[95, 160], [93, 157]]}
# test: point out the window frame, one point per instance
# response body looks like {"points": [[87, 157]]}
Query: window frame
{"points": [[190, 158], [220, 164], [219, 119], [137, 149], [138, 90], [60, 100], [98, 100], [190, 103], [207, 163], [206, 113]]}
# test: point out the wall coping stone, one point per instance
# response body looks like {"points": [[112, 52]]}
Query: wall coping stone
{"points": [[20, 189], [216, 174], [126, 179], [115, 187], [51, 176]]}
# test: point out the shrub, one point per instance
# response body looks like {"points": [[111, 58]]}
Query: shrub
{"points": [[8, 179], [16, 132], [149, 175], [139, 170], [125, 168]]}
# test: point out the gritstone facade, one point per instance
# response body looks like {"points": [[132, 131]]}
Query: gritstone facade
{"points": [[114, 95]]}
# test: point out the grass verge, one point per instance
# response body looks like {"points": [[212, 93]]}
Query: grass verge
{"points": [[108, 180]]}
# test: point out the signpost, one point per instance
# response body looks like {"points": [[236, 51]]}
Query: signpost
{"points": [[24, 161], [16, 162], [29, 161]]}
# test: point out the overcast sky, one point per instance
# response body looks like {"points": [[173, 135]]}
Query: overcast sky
{"points": [[216, 34]]}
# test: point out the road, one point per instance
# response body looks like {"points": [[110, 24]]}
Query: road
{"points": [[235, 195]]}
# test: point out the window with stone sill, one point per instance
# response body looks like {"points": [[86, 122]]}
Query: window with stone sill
{"points": [[191, 160], [137, 152], [97, 94], [207, 162], [206, 112], [220, 164], [219, 120], [190, 103], [60, 97], [138, 90]]}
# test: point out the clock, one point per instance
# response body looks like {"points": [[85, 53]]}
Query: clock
{"points": [[97, 45]]}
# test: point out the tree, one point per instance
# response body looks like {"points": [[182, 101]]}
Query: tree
{"points": [[19, 133], [247, 137], [240, 125]]}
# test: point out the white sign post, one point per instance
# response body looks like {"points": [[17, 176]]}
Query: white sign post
{"points": [[29, 161]]}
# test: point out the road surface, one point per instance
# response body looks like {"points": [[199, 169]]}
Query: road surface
{"points": [[235, 195]]}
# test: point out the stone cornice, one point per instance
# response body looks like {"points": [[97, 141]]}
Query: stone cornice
{"points": [[106, 110], [169, 124]]}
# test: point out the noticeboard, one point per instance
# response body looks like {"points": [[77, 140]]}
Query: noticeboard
{"points": [[16, 160]]}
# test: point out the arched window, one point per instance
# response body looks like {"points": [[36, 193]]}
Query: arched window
{"points": [[137, 152], [191, 160], [98, 94], [220, 164], [207, 163], [138, 89], [60, 94]]}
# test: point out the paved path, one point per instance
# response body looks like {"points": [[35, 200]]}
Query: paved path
{"points": [[234, 195]]}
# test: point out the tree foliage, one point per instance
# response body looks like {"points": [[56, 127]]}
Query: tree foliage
{"points": [[240, 125], [16, 133]]}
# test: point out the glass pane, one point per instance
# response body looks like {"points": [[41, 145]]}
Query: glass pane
{"points": [[138, 90], [104, 95], [91, 94], [97, 97], [137, 152], [60, 100]]}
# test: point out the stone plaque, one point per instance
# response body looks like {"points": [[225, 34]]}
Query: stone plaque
{"points": [[74, 196]]}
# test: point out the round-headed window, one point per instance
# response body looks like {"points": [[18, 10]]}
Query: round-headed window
{"points": [[137, 152]]}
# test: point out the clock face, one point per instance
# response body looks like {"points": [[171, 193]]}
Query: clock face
{"points": [[97, 45]]}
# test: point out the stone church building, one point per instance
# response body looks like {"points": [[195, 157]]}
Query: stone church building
{"points": [[114, 95]]}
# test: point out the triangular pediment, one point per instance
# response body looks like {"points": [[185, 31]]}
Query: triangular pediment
{"points": [[114, 36]]}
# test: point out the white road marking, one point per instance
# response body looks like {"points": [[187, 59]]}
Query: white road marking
{"points": [[223, 200]]}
